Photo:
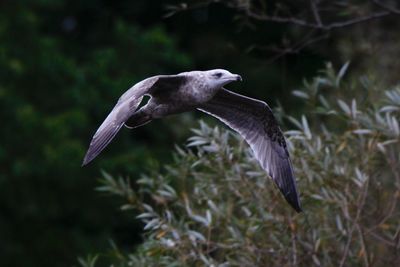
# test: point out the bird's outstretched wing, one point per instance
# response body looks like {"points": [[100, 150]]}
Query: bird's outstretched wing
{"points": [[125, 107], [254, 120]]}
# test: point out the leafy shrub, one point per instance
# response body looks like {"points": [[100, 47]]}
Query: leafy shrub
{"points": [[215, 206]]}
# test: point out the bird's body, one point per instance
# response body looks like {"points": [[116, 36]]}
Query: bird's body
{"points": [[203, 90], [182, 93]]}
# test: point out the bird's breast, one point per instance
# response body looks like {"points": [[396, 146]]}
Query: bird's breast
{"points": [[196, 93]]}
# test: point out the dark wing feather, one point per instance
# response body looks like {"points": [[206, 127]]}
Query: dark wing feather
{"points": [[126, 106], [254, 120]]}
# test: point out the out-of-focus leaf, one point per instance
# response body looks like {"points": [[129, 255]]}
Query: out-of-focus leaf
{"points": [[341, 73], [300, 94], [344, 107]]}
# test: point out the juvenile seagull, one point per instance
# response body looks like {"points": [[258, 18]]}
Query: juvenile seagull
{"points": [[203, 90]]}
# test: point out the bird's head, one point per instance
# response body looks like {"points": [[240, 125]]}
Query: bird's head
{"points": [[220, 77]]}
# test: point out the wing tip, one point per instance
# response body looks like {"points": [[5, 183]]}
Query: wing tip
{"points": [[99, 142], [86, 160], [295, 205], [287, 186], [293, 199]]}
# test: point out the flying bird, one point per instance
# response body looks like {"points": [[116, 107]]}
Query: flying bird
{"points": [[204, 91]]}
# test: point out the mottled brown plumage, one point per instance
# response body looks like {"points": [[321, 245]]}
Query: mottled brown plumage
{"points": [[203, 90]]}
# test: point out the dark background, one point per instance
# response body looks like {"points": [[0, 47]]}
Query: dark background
{"points": [[63, 65]]}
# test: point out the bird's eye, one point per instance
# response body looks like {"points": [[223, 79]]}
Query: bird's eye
{"points": [[217, 75]]}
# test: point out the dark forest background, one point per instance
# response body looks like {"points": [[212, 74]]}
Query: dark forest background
{"points": [[63, 65]]}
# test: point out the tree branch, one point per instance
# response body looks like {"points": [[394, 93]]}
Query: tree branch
{"points": [[363, 246], [306, 24], [278, 19], [293, 49], [310, 19], [386, 7], [315, 11], [357, 20], [360, 205]]}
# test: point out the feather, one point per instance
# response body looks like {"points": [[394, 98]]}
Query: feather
{"points": [[124, 109], [254, 120]]}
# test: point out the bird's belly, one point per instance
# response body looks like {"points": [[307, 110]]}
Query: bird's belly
{"points": [[166, 109]]}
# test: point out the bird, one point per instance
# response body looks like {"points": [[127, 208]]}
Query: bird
{"points": [[204, 91]]}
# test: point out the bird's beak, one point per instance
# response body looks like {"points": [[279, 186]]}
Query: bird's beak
{"points": [[238, 78]]}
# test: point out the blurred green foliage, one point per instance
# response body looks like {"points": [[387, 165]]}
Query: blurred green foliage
{"points": [[214, 206], [51, 101]]}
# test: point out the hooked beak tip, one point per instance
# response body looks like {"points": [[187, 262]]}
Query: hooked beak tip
{"points": [[239, 78]]}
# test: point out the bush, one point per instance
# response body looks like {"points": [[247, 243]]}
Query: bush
{"points": [[215, 206]]}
